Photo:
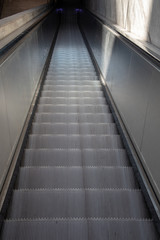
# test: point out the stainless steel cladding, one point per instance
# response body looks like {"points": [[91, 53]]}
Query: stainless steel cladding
{"points": [[19, 76], [134, 84]]}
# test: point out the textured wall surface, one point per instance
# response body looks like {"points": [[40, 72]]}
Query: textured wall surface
{"points": [[11, 7], [12, 23], [139, 18]]}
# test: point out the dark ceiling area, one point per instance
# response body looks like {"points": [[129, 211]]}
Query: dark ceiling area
{"points": [[68, 3]]}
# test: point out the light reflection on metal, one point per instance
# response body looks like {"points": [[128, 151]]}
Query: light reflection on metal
{"points": [[59, 10], [78, 10]]}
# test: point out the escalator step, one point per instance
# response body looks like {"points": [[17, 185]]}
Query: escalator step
{"points": [[73, 118], [79, 79], [72, 62], [74, 141], [75, 83], [75, 157], [68, 87], [71, 73], [80, 101], [68, 94], [69, 65], [109, 203], [62, 69], [76, 177], [71, 108], [71, 229], [73, 128]]}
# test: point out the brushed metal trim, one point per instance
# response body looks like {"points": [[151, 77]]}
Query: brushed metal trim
{"points": [[133, 154], [17, 156]]}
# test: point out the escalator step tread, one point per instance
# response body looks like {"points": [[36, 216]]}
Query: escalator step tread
{"points": [[74, 141], [72, 157], [71, 87], [69, 94], [73, 83], [73, 202], [53, 68], [71, 76], [74, 118], [86, 229], [72, 108], [80, 101], [74, 128], [76, 177], [71, 72]]}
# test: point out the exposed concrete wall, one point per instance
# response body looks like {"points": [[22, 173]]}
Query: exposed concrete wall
{"points": [[11, 27], [11, 7], [139, 18]]}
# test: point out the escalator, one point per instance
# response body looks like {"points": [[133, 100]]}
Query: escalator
{"points": [[75, 180]]}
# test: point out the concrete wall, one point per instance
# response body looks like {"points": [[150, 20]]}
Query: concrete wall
{"points": [[12, 23], [11, 7], [139, 18]]}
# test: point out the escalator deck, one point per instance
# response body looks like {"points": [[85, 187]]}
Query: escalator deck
{"points": [[75, 181]]}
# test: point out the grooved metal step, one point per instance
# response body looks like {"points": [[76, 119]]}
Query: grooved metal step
{"points": [[69, 94], [79, 101], [71, 87], [73, 118], [75, 157], [71, 108], [80, 79], [79, 72], [71, 229], [76, 177], [75, 83], [62, 69], [71, 73], [74, 141], [74, 128], [67, 65], [72, 62], [114, 203]]}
